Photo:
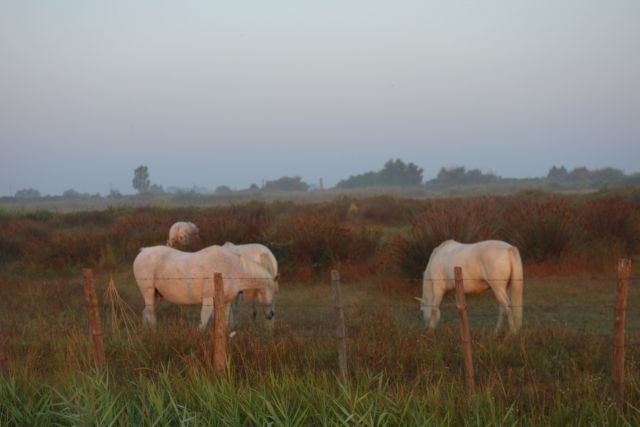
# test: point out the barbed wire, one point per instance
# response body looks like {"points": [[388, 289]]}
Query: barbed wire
{"points": [[404, 279], [206, 278], [534, 278]]}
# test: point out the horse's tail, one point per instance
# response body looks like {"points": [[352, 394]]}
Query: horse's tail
{"points": [[517, 283]]}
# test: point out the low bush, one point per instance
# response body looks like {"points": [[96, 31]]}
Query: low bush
{"points": [[460, 221]]}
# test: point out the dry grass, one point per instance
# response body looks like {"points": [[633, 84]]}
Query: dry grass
{"points": [[556, 371]]}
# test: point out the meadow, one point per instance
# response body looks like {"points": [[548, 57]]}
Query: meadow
{"points": [[556, 372]]}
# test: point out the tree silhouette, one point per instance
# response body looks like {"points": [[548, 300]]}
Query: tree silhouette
{"points": [[287, 183], [141, 179], [394, 173]]}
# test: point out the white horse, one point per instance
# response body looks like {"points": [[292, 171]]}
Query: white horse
{"points": [[187, 278], [256, 252], [183, 234], [489, 264]]}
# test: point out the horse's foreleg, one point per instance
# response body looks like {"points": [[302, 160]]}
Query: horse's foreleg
{"points": [[501, 314], [233, 311], [148, 314], [436, 299], [205, 313]]}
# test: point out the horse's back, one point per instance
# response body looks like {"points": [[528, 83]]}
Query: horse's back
{"points": [[259, 253], [182, 277], [483, 260], [145, 263]]}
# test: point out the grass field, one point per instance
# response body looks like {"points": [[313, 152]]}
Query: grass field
{"points": [[557, 372]]}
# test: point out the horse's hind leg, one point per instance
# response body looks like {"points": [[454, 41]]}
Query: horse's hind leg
{"points": [[501, 315], [205, 313], [148, 314], [500, 292]]}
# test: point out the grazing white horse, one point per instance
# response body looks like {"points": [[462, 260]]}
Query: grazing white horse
{"points": [[187, 278], [488, 264], [256, 252], [182, 233]]}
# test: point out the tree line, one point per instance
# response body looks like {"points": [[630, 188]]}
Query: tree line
{"points": [[394, 173]]}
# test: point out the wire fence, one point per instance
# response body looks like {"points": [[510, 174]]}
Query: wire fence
{"points": [[596, 315]]}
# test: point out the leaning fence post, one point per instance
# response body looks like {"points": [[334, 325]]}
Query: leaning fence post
{"points": [[219, 326], [340, 329], [624, 271], [464, 332], [91, 302]]}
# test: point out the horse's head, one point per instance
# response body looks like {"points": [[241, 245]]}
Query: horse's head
{"points": [[426, 311], [267, 297], [265, 293]]}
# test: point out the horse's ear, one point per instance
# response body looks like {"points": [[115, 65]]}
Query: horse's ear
{"points": [[249, 294]]}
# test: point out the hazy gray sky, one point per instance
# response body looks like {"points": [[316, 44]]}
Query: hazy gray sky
{"points": [[211, 93]]}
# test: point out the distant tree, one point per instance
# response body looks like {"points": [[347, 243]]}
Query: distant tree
{"points": [[607, 176], [633, 179], [394, 173], [557, 174], [398, 173], [367, 179], [71, 193], [254, 187], [141, 181], [579, 174], [223, 189], [27, 193], [453, 175], [156, 189], [114, 194], [460, 176], [287, 183]]}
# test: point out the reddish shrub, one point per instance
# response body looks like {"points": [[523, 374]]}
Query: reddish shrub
{"points": [[71, 248], [23, 238], [465, 222], [388, 210], [614, 220], [138, 229], [237, 224], [542, 229], [320, 242]]}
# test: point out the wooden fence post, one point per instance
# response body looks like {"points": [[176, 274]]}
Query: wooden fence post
{"points": [[2, 356], [464, 332], [624, 271], [341, 336], [95, 326], [219, 327]]}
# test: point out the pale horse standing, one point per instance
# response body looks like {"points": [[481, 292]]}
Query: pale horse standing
{"points": [[187, 278], [488, 264], [257, 252]]}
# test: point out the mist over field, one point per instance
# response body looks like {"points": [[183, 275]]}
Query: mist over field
{"points": [[210, 93]]}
